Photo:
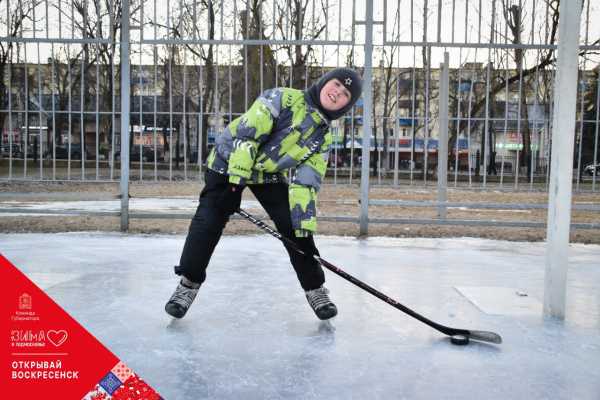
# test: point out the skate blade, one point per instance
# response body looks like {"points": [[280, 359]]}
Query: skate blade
{"points": [[173, 323], [326, 326]]}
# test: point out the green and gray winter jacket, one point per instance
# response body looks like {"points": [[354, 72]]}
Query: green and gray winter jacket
{"points": [[281, 130]]}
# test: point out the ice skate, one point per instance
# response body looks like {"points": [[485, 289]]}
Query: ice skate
{"points": [[182, 298], [321, 303]]}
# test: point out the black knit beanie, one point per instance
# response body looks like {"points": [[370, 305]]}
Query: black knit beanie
{"points": [[349, 78]]}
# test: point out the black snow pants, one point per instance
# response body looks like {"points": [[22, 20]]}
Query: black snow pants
{"points": [[209, 221]]}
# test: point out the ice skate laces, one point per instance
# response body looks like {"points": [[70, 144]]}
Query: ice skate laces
{"points": [[184, 296], [318, 298]]}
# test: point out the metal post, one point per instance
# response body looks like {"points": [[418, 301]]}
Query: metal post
{"points": [[396, 132], [442, 167], [366, 143], [125, 79], [561, 176]]}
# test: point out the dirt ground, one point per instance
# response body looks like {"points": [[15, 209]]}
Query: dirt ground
{"points": [[334, 200]]}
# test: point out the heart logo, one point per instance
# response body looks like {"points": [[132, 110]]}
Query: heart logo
{"points": [[56, 337]]}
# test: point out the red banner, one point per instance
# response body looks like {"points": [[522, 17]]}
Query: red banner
{"points": [[46, 354]]}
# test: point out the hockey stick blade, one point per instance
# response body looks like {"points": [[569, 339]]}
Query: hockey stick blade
{"points": [[485, 336], [475, 335]]}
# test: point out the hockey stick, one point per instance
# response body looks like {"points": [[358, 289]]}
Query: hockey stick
{"points": [[471, 334]]}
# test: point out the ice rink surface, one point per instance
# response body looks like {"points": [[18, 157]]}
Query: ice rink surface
{"points": [[251, 334]]}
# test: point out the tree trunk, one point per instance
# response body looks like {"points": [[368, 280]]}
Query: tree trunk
{"points": [[386, 136], [208, 93], [526, 132]]}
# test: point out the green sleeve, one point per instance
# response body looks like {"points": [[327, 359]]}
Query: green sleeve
{"points": [[248, 131], [304, 188]]}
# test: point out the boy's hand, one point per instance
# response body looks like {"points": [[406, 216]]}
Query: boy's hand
{"points": [[230, 199]]}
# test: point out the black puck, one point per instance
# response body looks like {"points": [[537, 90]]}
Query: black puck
{"points": [[459, 340]]}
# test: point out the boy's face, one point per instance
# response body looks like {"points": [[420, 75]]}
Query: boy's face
{"points": [[334, 96]]}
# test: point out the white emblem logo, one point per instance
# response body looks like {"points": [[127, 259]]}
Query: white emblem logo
{"points": [[25, 302], [348, 81]]}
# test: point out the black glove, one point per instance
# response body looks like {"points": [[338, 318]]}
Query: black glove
{"points": [[231, 198]]}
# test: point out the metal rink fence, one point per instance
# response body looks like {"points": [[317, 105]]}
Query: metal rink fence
{"points": [[501, 60], [195, 66]]}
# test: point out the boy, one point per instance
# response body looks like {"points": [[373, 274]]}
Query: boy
{"points": [[284, 128]]}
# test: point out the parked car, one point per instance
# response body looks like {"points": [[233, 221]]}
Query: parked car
{"points": [[147, 154], [19, 152], [16, 151], [589, 169], [62, 152]]}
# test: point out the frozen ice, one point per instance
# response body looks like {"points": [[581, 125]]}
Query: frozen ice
{"points": [[138, 204], [251, 335], [501, 300]]}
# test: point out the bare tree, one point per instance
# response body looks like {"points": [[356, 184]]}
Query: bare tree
{"points": [[591, 135], [93, 67], [193, 20], [293, 25], [384, 93], [66, 78], [513, 15], [258, 60], [390, 97], [17, 13]]}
